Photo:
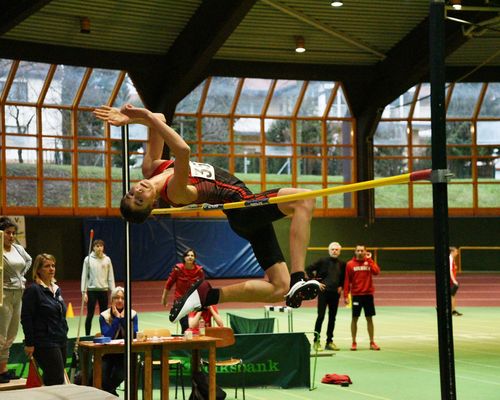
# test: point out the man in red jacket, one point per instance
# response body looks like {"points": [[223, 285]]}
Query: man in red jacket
{"points": [[358, 281]]}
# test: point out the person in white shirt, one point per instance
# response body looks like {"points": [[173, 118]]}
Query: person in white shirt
{"points": [[16, 262], [97, 280]]}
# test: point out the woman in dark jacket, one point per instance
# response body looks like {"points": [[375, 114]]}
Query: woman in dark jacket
{"points": [[43, 317]]}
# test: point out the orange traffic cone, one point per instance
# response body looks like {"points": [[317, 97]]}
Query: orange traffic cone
{"points": [[69, 311], [34, 379]]}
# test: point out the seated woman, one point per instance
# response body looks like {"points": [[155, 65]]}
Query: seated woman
{"points": [[206, 314], [112, 322]]}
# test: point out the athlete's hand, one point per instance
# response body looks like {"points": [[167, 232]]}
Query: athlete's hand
{"points": [[111, 115]]}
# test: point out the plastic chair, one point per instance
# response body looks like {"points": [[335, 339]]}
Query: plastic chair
{"points": [[172, 362], [227, 339], [250, 325]]}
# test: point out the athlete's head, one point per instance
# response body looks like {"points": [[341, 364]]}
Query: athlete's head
{"points": [[138, 203]]}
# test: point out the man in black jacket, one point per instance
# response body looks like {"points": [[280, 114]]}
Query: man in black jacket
{"points": [[330, 272]]}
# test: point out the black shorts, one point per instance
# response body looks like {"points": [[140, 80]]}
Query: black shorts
{"points": [[255, 225], [454, 290], [364, 302]]}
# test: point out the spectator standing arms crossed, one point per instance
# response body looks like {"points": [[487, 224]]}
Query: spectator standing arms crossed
{"points": [[359, 282], [330, 272], [183, 276], [97, 280], [16, 262]]}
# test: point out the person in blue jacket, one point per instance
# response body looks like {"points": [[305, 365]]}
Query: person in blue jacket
{"points": [[112, 322], [43, 318]]}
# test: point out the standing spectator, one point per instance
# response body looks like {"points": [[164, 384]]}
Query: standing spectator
{"points": [[112, 322], [207, 315], [359, 282], [453, 281], [43, 317], [183, 275], [330, 272], [97, 280], [16, 263]]}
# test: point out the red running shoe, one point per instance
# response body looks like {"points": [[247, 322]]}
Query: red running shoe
{"points": [[354, 346], [373, 346]]}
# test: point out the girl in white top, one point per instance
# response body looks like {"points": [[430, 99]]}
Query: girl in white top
{"points": [[16, 262]]}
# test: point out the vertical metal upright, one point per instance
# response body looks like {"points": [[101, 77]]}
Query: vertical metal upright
{"points": [[129, 334], [440, 199]]}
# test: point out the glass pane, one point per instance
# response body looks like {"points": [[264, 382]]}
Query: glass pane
{"points": [[278, 169], [489, 195], [25, 141], [221, 162], [116, 194], [339, 132], [91, 194], [309, 151], [215, 149], [486, 166], [284, 98], [339, 170], [220, 95], [28, 82], [64, 85], [458, 132], [422, 195], [463, 100], [308, 132], [21, 163], [423, 104], [278, 130], [88, 125], [57, 164], [99, 87], [421, 132], [247, 130], [247, 149], [21, 193], [400, 107], [488, 132], [186, 127], [339, 151], [340, 108], [191, 102], [91, 165], [215, 129], [393, 196], [19, 119], [457, 151], [316, 98], [421, 163], [309, 169], [252, 97], [135, 132], [460, 168], [5, 66], [318, 200], [342, 200], [491, 101], [247, 168], [390, 167], [56, 122], [459, 196], [57, 194], [128, 94], [391, 133]]}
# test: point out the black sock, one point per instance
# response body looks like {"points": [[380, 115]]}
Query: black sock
{"points": [[212, 297], [297, 276]]}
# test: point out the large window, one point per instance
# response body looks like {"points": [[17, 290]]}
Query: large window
{"points": [[274, 133], [402, 143]]}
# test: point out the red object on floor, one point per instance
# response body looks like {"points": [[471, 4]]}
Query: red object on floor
{"points": [[336, 379], [34, 379]]}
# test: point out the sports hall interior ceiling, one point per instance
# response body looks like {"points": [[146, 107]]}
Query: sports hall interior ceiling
{"points": [[377, 48]]}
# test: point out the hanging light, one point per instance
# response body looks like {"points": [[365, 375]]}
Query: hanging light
{"points": [[456, 4], [300, 44], [337, 3]]}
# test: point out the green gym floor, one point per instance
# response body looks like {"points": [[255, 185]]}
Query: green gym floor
{"points": [[406, 368]]}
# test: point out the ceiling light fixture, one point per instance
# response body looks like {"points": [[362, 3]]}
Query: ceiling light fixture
{"points": [[337, 3], [300, 44], [456, 4], [85, 25]]}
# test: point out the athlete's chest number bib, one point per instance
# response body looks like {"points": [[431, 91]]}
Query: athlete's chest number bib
{"points": [[202, 170]]}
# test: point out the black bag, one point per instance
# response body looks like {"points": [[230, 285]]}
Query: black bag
{"points": [[200, 388]]}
